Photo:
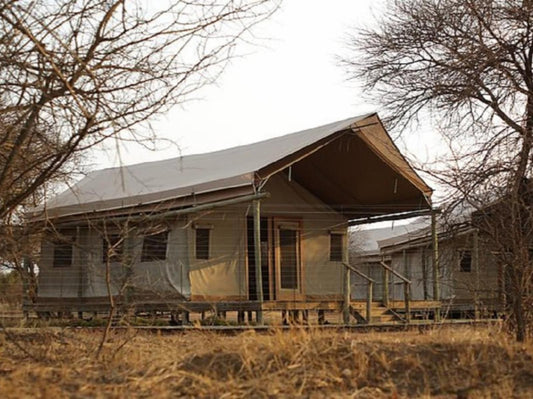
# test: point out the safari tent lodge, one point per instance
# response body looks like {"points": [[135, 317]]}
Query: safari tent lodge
{"points": [[254, 228]]}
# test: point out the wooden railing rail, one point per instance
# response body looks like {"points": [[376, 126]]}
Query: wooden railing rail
{"points": [[359, 272], [400, 276], [369, 289], [406, 289]]}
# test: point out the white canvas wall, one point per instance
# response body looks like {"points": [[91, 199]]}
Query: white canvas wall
{"points": [[86, 276]]}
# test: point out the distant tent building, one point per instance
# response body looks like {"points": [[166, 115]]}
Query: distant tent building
{"points": [[256, 227], [470, 280]]}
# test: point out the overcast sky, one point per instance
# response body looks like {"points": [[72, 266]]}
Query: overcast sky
{"points": [[289, 81]]}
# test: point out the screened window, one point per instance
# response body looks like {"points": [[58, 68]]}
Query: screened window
{"points": [[202, 243], [154, 247], [63, 251], [335, 247], [465, 261], [112, 248], [289, 258]]}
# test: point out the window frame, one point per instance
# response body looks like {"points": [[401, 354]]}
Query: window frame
{"points": [[462, 253], [147, 257], [336, 256], [64, 243], [207, 249]]}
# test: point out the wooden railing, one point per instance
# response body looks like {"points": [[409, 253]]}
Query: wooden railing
{"points": [[406, 289], [369, 288]]}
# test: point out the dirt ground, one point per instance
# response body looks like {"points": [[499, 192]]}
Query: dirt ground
{"points": [[445, 363]]}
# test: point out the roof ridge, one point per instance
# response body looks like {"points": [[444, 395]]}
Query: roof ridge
{"points": [[239, 147]]}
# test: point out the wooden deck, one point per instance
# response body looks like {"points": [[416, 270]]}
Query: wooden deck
{"points": [[274, 312], [399, 305], [319, 311]]}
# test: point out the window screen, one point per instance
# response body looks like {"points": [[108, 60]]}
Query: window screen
{"points": [[335, 247], [289, 258], [465, 264], [202, 243], [154, 247], [63, 251]]}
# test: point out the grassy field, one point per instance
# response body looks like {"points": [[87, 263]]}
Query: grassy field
{"points": [[445, 363]]}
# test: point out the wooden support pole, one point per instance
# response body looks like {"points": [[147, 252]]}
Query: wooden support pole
{"points": [[295, 316], [79, 262], [475, 264], [369, 287], [321, 317], [407, 299], [257, 252], [502, 287], [424, 274], [285, 317], [346, 306], [406, 268], [404, 261], [347, 284], [28, 266], [385, 287], [406, 289], [436, 273]]}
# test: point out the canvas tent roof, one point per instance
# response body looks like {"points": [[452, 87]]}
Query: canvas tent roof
{"points": [[369, 241], [248, 165], [412, 236]]}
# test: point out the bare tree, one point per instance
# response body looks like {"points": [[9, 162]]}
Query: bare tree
{"points": [[74, 73], [469, 65]]}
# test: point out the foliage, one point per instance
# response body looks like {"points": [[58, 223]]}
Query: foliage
{"points": [[469, 65], [75, 73], [10, 287]]}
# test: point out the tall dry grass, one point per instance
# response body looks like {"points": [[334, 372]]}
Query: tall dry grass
{"points": [[462, 362]]}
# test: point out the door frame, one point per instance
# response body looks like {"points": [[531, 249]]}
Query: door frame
{"points": [[266, 261], [287, 294]]}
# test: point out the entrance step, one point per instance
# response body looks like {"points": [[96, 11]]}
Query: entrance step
{"points": [[379, 314]]}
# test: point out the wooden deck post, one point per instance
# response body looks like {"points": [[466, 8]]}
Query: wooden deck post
{"points": [[369, 293], [321, 316], [347, 284], [406, 288], [407, 298], [404, 261], [346, 307], [435, 241], [475, 264], [385, 287], [369, 287], [79, 263], [257, 252], [424, 274]]}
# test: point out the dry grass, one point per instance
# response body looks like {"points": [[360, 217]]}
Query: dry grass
{"points": [[464, 363]]}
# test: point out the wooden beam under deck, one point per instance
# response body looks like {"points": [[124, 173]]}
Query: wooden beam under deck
{"points": [[415, 305], [102, 305], [398, 305]]}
